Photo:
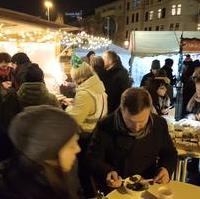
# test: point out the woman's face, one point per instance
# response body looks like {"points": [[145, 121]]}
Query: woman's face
{"points": [[67, 154], [162, 91], [198, 88]]}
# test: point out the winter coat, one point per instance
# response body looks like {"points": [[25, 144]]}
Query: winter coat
{"points": [[23, 179], [90, 103], [146, 78], [169, 74], [116, 81], [114, 149], [35, 93]]}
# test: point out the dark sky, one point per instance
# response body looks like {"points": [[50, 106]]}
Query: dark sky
{"points": [[35, 7]]}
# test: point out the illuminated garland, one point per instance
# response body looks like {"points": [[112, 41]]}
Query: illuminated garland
{"points": [[80, 40]]}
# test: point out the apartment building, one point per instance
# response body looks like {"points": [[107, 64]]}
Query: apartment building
{"points": [[162, 15]]}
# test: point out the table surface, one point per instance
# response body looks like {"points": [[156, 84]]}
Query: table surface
{"points": [[180, 190]]}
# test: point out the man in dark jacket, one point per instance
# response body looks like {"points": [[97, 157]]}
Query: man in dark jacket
{"points": [[116, 79], [169, 71], [155, 67], [131, 141]]}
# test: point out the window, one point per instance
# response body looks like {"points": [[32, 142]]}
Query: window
{"points": [[157, 28], [145, 29], [136, 29], [150, 28], [127, 20], [128, 6], [198, 27], [162, 27], [179, 9], [127, 34], [163, 13], [135, 3], [137, 17], [151, 15], [173, 10], [133, 18], [177, 26], [159, 13], [171, 27], [146, 16], [176, 9]]}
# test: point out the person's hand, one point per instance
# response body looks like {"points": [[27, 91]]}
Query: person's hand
{"points": [[162, 177], [165, 111], [197, 116], [67, 101], [113, 179], [7, 84]]}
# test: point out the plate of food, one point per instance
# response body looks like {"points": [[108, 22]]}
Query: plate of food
{"points": [[136, 185]]}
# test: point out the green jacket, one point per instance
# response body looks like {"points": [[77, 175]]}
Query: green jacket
{"points": [[35, 93]]}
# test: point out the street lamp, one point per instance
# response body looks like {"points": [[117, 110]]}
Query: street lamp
{"points": [[48, 5]]}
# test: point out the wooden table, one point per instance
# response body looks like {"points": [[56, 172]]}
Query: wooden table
{"points": [[180, 190]]}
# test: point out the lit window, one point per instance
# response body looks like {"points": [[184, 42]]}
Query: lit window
{"points": [[159, 13], [151, 15], [173, 10], [198, 27], [179, 9]]}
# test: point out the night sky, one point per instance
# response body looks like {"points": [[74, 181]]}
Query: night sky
{"points": [[35, 7]]}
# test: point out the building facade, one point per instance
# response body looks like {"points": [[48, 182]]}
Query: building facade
{"points": [[144, 15], [162, 15]]}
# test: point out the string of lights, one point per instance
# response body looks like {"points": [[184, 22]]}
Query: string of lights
{"points": [[67, 40]]}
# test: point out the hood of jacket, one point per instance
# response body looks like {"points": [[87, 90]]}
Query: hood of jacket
{"points": [[94, 84], [32, 92]]}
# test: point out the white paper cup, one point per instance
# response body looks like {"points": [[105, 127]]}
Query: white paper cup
{"points": [[165, 193]]}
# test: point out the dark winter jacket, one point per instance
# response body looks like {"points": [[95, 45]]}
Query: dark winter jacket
{"points": [[169, 74], [35, 93], [113, 148], [23, 179], [116, 81], [146, 78]]}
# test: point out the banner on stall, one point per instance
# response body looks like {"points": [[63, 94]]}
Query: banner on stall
{"points": [[191, 45]]}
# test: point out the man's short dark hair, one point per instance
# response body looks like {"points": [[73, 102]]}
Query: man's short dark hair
{"points": [[113, 55], [135, 100], [5, 57]]}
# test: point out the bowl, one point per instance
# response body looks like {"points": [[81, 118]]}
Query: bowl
{"points": [[135, 186]]}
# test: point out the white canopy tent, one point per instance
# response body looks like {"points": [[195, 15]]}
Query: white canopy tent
{"points": [[147, 46], [148, 43]]}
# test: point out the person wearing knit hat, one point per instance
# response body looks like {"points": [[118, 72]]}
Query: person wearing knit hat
{"points": [[90, 105], [33, 90], [155, 67], [46, 145]]}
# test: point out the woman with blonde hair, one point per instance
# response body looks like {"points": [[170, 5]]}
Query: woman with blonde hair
{"points": [[90, 105]]}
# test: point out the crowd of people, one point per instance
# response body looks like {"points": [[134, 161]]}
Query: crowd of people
{"points": [[114, 129]]}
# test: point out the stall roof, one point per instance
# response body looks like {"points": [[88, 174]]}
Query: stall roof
{"points": [[16, 21], [149, 43]]}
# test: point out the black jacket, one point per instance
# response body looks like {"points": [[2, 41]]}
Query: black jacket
{"points": [[146, 78], [114, 149], [116, 81], [23, 179]]}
